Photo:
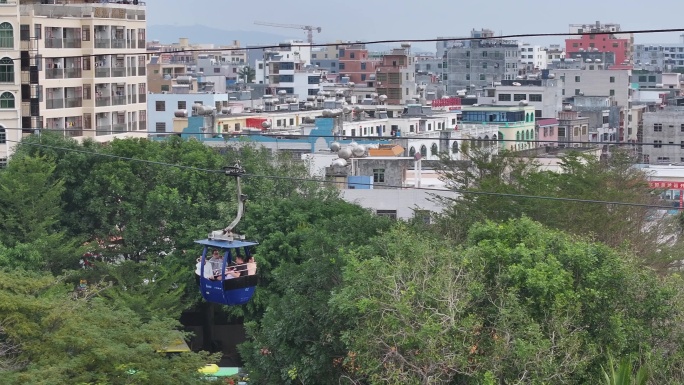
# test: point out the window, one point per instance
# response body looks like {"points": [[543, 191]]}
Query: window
{"points": [[433, 149], [577, 91], [423, 150], [657, 127], [612, 79], [484, 65], [6, 35], [352, 55], [504, 97], [160, 127], [6, 100], [182, 104], [577, 79], [612, 92], [681, 127], [392, 214], [535, 97], [160, 105], [680, 146], [363, 66], [165, 87], [412, 151], [6, 70], [85, 33], [3, 162], [291, 121], [217, 70], [657, 144], [519, 97], [3, 136], [643, 79], [341, 66], [482, 77], [378, 175], [484, 53], [454, 147]]}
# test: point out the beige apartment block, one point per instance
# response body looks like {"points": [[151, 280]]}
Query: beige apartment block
{"points": [[83, 67], [10, 80]]}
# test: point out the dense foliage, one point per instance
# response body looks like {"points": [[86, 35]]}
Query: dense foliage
{"points": [[500, 290]]}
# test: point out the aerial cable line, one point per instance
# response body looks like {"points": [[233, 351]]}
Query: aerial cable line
{"points": [[387, 41], [274, 177]]}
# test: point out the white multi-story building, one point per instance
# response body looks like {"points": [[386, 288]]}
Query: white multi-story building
{"points": [[532, 57], [90, 77], [162, 108], [544, 94], [10, 78], [596, 82]]}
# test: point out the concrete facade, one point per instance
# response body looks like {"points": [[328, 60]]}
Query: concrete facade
{"points": [[587, 82], [572, 128], [400, 204], [620, 44], [546, 96], [102, 93], [10, 82], [396, 76], [479, 63], [663, 138]]}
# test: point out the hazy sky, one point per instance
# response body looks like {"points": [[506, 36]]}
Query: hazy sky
{"points": [[404, 19]]}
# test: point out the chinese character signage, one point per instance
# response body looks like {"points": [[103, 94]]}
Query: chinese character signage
{"points": [[448, 102], [666, 185]]}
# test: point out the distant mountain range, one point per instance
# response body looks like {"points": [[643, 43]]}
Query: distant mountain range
{"points": [[201, 34]]}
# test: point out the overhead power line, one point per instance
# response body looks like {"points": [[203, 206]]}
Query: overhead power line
{"points": [[386, 41], [275, 177]]}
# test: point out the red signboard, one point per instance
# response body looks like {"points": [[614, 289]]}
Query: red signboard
{"points": [[255, 123], [448, 102], [667, 185]]}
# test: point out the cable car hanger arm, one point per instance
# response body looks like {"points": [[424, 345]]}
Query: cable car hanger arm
{"points": [[227, 234]]}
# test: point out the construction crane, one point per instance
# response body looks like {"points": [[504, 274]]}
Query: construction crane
{"points": [[308, 28]]}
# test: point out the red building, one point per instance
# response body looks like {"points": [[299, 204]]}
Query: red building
{"points": [[601, 38], [355, 64]]}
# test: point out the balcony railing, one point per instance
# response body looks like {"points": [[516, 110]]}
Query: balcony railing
{"points": [[141, 44], [74, 130], [102, 101], [118, 72], [72, 43], [142, 98], [54, 103], [118, 100], [119, 127], [142, 125], [71, 73], [54, 73], [130, 71], [102, 43], [102, 72], [132, 99], [141, 71], [53, 43], [74, 102], [118, 43], [103, 130]]}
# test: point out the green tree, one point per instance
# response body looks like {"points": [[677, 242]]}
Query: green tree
{"points": [[518, 303], [58, 340], [580, 177], [248, 74]]}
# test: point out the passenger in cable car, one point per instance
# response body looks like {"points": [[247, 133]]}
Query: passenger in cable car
{"points": [[206, 269], [216, 261], [251, 265], [240, 265]]}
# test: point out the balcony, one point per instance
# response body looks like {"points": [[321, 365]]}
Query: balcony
{"points": [[102, 43], [103, 130], [132, 99], [74, 102], [141, 44], [141, 71], [102, 101], [130, 71], [51, 104], [74, 131], [118, 100], [71, 73], [54, 73], [118, 72], [142, 98], [118, 43], [142, 125], [119, 127], [102, 72], [72, 43], [53, 43]]}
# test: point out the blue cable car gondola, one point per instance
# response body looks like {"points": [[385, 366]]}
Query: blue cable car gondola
{"points": [[223, 289]]}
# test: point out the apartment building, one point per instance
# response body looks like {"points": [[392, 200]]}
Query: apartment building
{"points": [[10, 79], [663, 135], [545, 95], [599, 37], [355, 64], [596, 82], [396, 76], [532, 57], [660, 57], [516, 124], [83, 66], [475, 64]]}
